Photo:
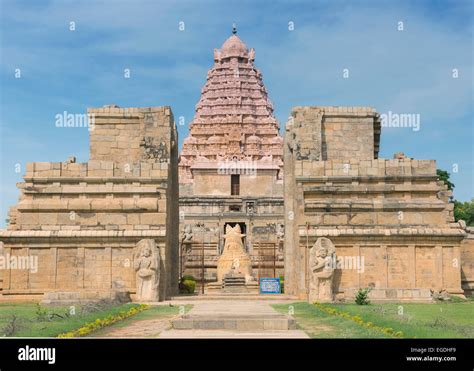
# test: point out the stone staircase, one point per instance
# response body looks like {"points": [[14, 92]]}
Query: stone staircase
{"points": [[236, 322], [233, 284], [233, 317]]}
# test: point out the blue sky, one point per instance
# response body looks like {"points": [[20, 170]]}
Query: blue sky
{"points": [[409, 71]]}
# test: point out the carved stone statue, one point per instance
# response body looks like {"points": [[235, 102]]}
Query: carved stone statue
{"points": [[251, 55], [280, 235], [322, 257], [187, 237], [217, 55], [187, 233], [280, 231], [147, 268], [234, 259]]}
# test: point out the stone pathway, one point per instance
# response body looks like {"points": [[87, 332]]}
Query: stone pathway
{"points": [[147, 328], [161, 326], [139, 329], [238, 309], [228, 334]]}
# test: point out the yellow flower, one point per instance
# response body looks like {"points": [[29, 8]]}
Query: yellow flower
{"points": [[66, 335], [83, 331], [102, 322]]}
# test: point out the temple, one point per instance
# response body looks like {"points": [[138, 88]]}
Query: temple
{"points": [[317, 207], [231, 168]]}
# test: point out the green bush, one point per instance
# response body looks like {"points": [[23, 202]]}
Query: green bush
{"points": [[282, 284], [188, 277], [188, 286], [362, 297]]}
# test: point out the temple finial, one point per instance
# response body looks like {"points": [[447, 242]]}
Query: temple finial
{"points": [[234, 29]]}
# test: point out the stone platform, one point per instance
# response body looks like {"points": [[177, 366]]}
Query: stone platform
{"points": [[230, 318], [219, 295], [237, 323], [234, 288]]}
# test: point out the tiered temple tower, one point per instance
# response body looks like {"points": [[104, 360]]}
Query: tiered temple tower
{"points": [[231, 169], [234, 118]]}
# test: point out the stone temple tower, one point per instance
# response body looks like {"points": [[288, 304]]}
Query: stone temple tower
{"points": [[234, 117], [231, 168]]}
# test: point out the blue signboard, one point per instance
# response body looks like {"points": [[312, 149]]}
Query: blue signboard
{"points": [[270, 286]]}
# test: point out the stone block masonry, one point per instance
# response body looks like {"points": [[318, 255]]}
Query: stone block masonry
{"points": [[391, 215], [230, 169], [83, 220]]}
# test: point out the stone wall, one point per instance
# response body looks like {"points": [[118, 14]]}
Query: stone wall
{"points": [[394, 213], [467, 262], [329, 133], [128, 135], [83, 220], [207, 216], [209, 182]]}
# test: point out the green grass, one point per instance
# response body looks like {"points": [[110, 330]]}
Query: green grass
{"points": [[28, 324], [436, 320], [155, 312], [318, 324]]}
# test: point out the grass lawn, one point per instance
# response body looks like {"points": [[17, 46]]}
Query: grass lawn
{"points": [[318, 324], [154, 313], [32, 323], [436, 320]]}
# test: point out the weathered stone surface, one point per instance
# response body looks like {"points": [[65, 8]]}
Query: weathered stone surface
{"points": [[322, 258], [233, 132], [234, 260], [83, 220], [234, 118], [147, 268], [391, 214]]}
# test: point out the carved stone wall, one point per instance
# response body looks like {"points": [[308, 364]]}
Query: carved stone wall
{"points": [[82, 220], [393, 213], [233, 132]]}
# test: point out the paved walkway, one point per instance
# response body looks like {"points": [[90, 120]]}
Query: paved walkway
{"points": [[161, 326], [148, 328], [236, 308]]}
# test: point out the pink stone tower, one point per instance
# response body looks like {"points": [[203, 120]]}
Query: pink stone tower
{"points": [[234, 118]]}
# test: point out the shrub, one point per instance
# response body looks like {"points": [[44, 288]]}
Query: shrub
{"points": [[362, 297], [188, 277], [188, 286]]}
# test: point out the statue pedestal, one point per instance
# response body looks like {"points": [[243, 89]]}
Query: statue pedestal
{"points": [[233, 284]]}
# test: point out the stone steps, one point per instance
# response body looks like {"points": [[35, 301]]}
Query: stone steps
{"points": [[220, 295], [236, 283], [236, 323]]}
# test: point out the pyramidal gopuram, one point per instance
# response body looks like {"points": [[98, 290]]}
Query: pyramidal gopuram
{"points": [[234, 118], [231, 169]]}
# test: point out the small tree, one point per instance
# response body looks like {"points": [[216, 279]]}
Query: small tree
{"points": [[464, 211], [444, 176], [362, 297]]}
